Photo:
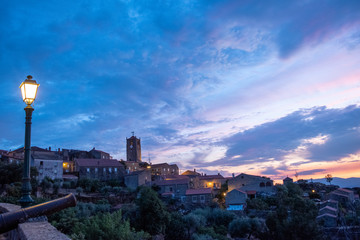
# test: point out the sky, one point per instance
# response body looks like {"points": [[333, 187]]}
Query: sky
{"points": [[270, 88]]}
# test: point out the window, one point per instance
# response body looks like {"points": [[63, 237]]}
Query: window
{"points": [[268, 184], [96, 170], [262, 184], [55, 165], [41, 163], [88, 170], [194, 199], [110, 169], [171, 189], [115, 170], [243, 184], [104, 170], [202, 198]]}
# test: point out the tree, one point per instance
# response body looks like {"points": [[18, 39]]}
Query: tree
{"points": [[329, 178], [79, 190], [66, 185], [239, 228], [294, 217], [175, 230], [193, 222], [152, 216], [108, 226]]}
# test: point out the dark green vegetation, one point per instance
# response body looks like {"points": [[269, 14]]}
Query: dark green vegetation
{"points": [[143, 215], [283, 216]]}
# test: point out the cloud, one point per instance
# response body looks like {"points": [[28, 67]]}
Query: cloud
{"points": [[279, 138], [310, 172]]}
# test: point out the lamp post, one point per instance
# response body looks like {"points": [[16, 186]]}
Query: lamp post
{"points": [[28, 91]]}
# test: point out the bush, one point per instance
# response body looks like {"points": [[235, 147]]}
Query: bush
{"points": [[239, 228]]}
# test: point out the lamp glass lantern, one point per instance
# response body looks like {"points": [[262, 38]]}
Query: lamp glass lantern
{"points": [[28, 90]]}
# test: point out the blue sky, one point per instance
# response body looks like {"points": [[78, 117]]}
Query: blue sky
{"points": [[262, 87]]}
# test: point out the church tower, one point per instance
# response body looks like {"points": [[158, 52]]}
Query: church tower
{"points": [[133, 149]]}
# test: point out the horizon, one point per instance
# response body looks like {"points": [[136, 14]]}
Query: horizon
{"points": [[260, 88]]}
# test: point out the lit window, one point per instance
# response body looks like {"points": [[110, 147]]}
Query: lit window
{"points": [[115, 170], [104, 170], [88, 170], [110, 169], [96, 170]]}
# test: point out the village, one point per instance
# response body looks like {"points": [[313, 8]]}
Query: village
{"points": [[94, 175]]}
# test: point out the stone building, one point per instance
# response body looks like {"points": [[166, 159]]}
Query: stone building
{"points": [[287, 180], [174, 187], [47, 166], [102, 169], [163, 169], [327, 220], [342, 195], [133, 149], [200, 196], [248, 182], [236, 200], [98, 154], [137, 178], [132, 166], [212, 181]]}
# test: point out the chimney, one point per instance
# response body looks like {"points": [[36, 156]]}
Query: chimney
{"points": [[233, 175], [58, 149], [218, 174], [194, 170], [49, 148]]}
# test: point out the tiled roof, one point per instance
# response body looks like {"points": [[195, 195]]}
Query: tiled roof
{"points": [[171, 182], [344, 190], [167, 194], [327, 214], [98, 151], [251, 192], [238, 190], [159, 165], [173, 177], [98, 163], [198, 191], [328, 207], [211, 177], [188, 172]]}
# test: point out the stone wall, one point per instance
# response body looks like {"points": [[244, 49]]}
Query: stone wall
{"points": [[37, 229]]}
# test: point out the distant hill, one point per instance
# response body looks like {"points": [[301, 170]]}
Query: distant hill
{"points": [[342, 182]]}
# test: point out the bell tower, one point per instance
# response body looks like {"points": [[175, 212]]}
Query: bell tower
{"points": [[133, 149]]}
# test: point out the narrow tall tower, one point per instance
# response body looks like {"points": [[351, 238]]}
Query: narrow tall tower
{"points": [[133, 149]]}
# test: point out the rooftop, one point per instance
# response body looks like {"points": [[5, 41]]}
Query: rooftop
{"points": [[198, 191], [90, 162]]}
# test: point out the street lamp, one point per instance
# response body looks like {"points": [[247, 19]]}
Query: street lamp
{"points": [[28, 91]]}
